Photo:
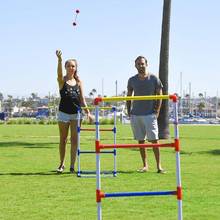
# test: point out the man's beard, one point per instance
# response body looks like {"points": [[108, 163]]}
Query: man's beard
{"points": [[142, 70]]}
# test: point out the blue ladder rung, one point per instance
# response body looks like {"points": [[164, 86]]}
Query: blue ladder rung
{"points": [[93, 152], [94, 172], [140, 194]]}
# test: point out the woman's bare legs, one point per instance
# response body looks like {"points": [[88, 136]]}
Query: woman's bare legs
{"points": [[63, 129]]}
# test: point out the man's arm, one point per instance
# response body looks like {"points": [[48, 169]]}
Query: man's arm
{"points": [[128, 103], [158, 102]]}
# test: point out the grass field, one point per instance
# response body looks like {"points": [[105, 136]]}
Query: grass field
{"points": [[31, 189]]}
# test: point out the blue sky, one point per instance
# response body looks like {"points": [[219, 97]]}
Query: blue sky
{"points": [[108, 37]]}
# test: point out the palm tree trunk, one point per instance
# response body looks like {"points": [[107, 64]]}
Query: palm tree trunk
{"points": [[163, 120]]}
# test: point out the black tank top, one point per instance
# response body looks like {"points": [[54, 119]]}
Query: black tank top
{"points": [[70, 99]]}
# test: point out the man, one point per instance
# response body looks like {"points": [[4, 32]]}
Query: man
{"points": [[144, 113]]}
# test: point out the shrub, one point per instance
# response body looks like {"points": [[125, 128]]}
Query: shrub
{"points": [[11, 121], [42, 122], [51, 122]]}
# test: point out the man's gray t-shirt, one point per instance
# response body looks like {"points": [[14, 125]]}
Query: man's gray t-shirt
{"points": [[145, 87]]}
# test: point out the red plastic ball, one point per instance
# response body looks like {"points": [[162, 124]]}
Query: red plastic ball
{"points": [[74, 23], [77, 11]]}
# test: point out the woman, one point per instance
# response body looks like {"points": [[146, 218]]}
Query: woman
{"points": [[72, 98]]}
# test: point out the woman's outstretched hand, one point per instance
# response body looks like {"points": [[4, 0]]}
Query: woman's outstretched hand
{"points": [[59, 54]]}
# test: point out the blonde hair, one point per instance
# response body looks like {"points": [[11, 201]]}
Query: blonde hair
{"points": [[76, 77]]}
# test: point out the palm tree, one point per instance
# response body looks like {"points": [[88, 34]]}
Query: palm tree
{"points": [[201, 105], [124, 92], [33, 96], [163, 119], [200, 95], [94, 91], [91, 95]]}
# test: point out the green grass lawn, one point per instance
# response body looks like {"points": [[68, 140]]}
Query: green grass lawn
{"points": [[31, 189]]}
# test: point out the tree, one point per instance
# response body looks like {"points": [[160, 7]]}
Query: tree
{"points": [[10, 97], [201, 106], [187, 98], [9, 105], [33, 96], [124, 92], [91, 95], [52, 104], [163, 119], [1, 97], [94, 92], [200, 95]]}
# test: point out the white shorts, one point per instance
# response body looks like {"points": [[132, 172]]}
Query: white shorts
{"points": [[64, 117], [144, 126]]}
